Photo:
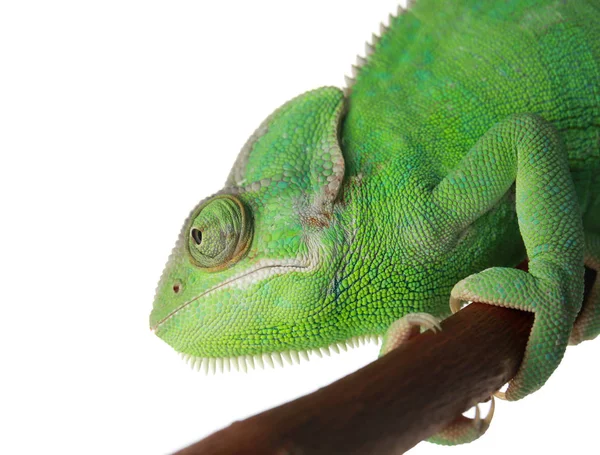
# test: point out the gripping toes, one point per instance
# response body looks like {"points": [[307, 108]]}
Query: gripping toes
{"points": [[407, 327], [463, 429], [555, 309], [587, 324]]}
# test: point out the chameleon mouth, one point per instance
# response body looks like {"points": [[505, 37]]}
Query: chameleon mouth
{"points": [[212, 365], [260, 271]]}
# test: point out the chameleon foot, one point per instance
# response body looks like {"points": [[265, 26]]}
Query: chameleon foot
{"points": [[406, 328], [587, 324], [525, 151], [463, 430], [544, 291]]}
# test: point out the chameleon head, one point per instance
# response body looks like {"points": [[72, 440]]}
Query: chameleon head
{"points": [[252, 269]]}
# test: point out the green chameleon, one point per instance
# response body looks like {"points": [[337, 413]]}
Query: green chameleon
{"points": [[468, 141]]}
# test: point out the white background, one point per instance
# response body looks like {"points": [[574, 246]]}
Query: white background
{"points": [[116, 117]]}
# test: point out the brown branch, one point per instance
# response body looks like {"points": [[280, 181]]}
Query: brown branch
{"points": [[393, 403]]}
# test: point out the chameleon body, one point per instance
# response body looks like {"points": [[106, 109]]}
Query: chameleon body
{"points": [[468, 141]]}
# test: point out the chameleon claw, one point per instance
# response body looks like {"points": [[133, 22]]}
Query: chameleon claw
{"points": [[500, 395], [456, 304], [406, 328], [424, 321], [464, 429]]}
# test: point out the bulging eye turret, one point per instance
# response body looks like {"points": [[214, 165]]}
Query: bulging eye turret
{"points": [[220, 233]]}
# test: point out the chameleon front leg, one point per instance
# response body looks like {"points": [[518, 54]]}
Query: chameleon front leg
{"points": [[523, 149], [587, 324], [461, 430]]}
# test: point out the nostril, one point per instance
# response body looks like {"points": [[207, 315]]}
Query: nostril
{"points": [[176, 288]]}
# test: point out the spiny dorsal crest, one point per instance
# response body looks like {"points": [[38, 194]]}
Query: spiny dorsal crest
{"points": [[370, 47]]}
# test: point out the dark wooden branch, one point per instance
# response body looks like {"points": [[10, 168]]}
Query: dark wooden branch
{"points": [[393, 403]]}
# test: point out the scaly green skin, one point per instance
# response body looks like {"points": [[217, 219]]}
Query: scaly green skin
{"points": [[470, 141]]}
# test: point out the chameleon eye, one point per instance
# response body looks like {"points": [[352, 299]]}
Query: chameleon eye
{"points": [[220, 233], [196, 236]]}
